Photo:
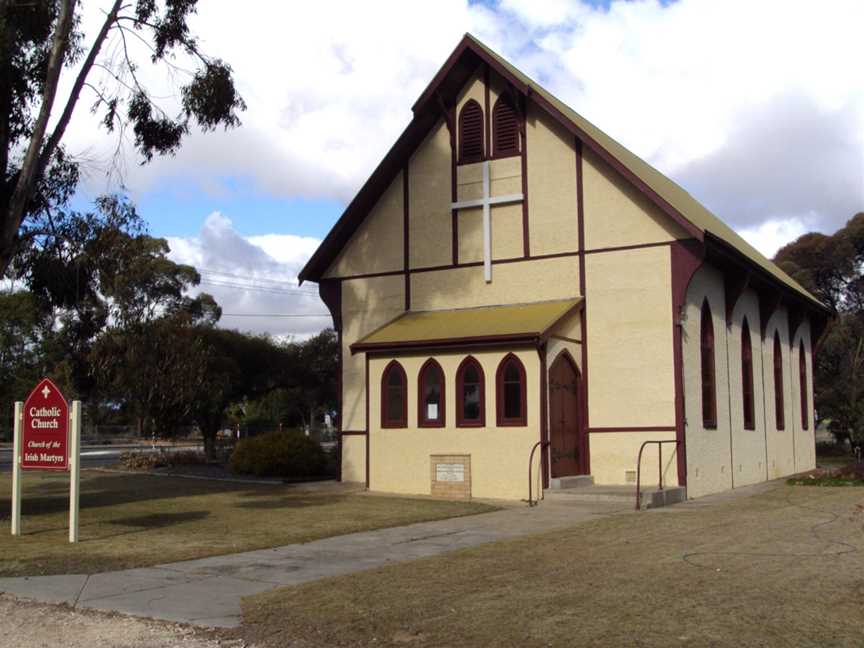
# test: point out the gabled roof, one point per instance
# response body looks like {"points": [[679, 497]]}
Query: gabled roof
{"points": [[485, 325], [666, 194]]}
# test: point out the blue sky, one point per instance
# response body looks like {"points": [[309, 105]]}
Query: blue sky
{"points": [[765, 132]]}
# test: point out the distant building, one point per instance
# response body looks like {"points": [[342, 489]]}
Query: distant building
{"points": [[510, 275]]}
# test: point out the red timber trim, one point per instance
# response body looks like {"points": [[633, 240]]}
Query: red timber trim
{"points": [[584, 419], [526, 237], [544, 414], [487, 114], [686, 257], [330, 291], [748, 399], [779, 395], [802, 383], [708, 366], [405, 235], [454, 193], [522, 419], [422, 421], [461, 421], [519, 259], [393, 365], [368, 435], [635, 428]]}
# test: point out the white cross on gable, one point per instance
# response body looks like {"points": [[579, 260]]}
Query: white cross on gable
{"points": [[45, 391], [486, 203]]}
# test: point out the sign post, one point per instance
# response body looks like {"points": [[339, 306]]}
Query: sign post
{"points": [[74, 470], [42, 442], [16, 470]]}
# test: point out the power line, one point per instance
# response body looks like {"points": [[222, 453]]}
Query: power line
{"points": [[250, 278], [264, 289]]}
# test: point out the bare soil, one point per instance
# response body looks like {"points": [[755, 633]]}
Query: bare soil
{"points": [[32, 625]]}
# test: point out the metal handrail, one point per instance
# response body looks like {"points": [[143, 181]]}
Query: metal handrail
{"points": [[659, 466], [531, 501]]}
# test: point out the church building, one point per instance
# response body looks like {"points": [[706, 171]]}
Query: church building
{"points": [[519, 297]]}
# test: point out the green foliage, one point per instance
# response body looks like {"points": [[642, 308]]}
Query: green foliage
{"points": [[288, 454], [851, 475], [41, 41], [832, 268]]}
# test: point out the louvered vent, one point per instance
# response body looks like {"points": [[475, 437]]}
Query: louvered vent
{"points": [[471, 133], [505, 129]]}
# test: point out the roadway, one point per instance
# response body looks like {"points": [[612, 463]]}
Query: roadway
{"points": [[98, 456]]}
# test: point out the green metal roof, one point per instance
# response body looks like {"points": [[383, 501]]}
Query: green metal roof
{"points": [[526, 323]]}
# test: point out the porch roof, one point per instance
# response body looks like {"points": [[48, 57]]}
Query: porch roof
{"points": [[485, 326]]}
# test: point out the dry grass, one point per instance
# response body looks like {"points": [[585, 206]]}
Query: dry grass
{"points": [[784, 568], [130, 520]]}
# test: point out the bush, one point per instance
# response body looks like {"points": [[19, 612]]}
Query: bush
{"points": [[288, 454], [153, 460]]}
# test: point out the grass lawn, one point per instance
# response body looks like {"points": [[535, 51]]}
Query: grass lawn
{"points": [[130, 520], [783, 568]]}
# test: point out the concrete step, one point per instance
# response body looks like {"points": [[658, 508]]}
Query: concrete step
{"points": [[649, 497], [576, 481]]}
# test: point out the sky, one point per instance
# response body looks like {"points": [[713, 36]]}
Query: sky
{"points": [[756, 108]]}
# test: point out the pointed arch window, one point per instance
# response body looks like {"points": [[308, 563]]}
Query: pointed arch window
{"points": [[802, 370], [510, 390], [394, 396], [779, 412], [471, 133], [747, 377], [431, 392], [709, 382], [470, 394], [505, 129]]}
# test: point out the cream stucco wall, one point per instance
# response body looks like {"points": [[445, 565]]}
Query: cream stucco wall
{"points": [[708, 451], [780, 443], [730, 456], [376, 246], [748, 446], [400, 458], [805, 440], [366, 304], [552, 204], [429, 199], [631, 377], [613, 454], [512, 283], [616, 213], [354, 458]]}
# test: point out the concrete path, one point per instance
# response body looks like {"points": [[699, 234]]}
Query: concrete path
{"points": [[208, 591]]}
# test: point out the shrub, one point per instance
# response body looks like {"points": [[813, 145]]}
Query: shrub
{"points": [[142, 460], [288, 454]]}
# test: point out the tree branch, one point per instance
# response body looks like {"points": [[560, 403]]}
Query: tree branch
{"points": [[32, 163]]}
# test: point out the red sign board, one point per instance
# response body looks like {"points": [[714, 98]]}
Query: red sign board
{"points": [[45, 435]]}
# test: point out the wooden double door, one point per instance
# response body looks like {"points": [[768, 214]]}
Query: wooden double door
{"points": [[568, 450]]}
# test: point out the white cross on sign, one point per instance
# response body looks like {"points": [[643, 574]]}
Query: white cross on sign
{"points": [[45, 391], [486, 203]]}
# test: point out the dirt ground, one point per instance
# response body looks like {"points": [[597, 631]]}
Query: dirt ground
{"points": [[30, 625], [781, 568]]}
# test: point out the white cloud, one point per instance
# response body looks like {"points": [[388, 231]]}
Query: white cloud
{"points": [[254, 279], [770, 236], [330, 85]]}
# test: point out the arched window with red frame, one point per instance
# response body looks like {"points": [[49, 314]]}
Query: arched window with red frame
{"points": [[747, 377], [470, 394], [709, 382], [511, 392], [431, 395], [802, 370], [505, 128], [394, 396], [471, 128], [779, 405]]}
